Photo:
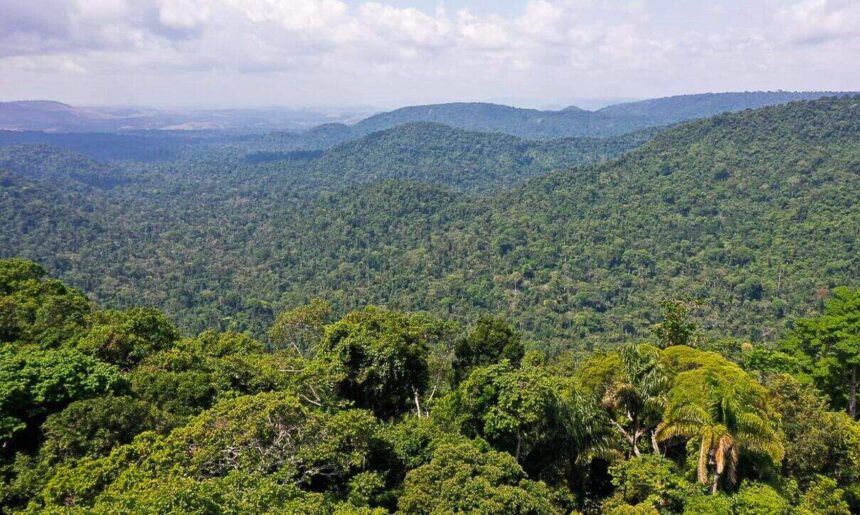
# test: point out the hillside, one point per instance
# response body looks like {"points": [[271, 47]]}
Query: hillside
{"points": [[709, 210], [669, 110], [50, 116], [571, 122], [469, 161]]}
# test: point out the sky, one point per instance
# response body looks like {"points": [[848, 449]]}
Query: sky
{"points": [[388, 53]]}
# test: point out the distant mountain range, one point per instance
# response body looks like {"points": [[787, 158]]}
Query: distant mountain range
{"points": [[754, 212], [570, 122], [52, 116], [573, 121], [310, 129]]}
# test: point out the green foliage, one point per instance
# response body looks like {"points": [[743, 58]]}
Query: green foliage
{"points": [[538, 418], [490, 341], [632, 386], [196, 372], [411, 441], [124, 338], [381, 357], [712, 210], [648, 480], [93, 427], [715, 403], [824, 497], [235, 493], [16, 274], [272, 431], [769, 362], [37, 382], [37, 310], [182, 394], [466, 478], [269, 434], [699, 504], [817, 441], [467, 161], [301, 328], [760, 499], [676, 328], [829, 347]]}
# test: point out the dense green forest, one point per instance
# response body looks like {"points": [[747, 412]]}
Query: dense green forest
{"points": [[429, 218], [467, 161], [609, 121], [161, 145], [114, 411]]}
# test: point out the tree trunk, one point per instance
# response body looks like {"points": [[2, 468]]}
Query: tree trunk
{"points": [[519, 443], [715, 484], [852, 394], [655, 444], [417, 402], [634, 442]]}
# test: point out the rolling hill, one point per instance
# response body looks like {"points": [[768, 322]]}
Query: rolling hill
{"points": [[571, 122], [751, 212], [469, 161], [51, 116]]}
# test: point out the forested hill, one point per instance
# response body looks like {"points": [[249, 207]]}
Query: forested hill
{"points": [[747, 211], [158, 145], [755, 213], [470, 161], [668, 110], [712, 211], [612, 120]]}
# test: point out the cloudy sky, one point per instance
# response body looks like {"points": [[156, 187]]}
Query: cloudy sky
{"points": [[393, 52]]}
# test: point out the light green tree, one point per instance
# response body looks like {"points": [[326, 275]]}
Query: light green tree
{"points": [[719, 406], [829, 346]]}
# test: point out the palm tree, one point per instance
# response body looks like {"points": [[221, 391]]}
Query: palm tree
{"points": [[730, 417], [636, 398]]}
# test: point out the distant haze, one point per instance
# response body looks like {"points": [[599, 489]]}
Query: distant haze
{"points": [[389, 53]]}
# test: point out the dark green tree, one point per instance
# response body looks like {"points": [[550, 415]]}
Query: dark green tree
{"points": [[301, 328], [676, 328], [92, 427], [380, 359], [124, 338], [829, 346], [37, 382], [490, 341], [38, 310], [464, 477]]}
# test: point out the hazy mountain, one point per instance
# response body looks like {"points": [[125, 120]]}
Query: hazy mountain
{"points": [[713, 208], [58, 117], [573, 121]]}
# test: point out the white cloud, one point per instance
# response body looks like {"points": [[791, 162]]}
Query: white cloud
{"points": [[408, 26], [101, 9], [544, 46], [486, 33], [183, 14], [820, 21]]}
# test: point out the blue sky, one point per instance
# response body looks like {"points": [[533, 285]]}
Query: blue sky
{"points": [[387, 53]]}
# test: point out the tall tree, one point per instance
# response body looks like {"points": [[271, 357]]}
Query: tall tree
{"points": [[539, 418], [717, 404], [380, 358], [301, 328], [632, 386], [490, 341], [829, 347], [676, 328]]}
